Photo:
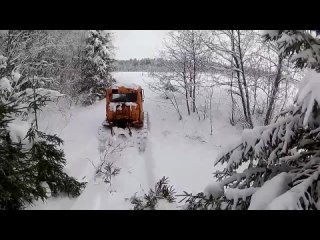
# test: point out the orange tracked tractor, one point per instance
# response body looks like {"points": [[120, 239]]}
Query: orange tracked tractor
{"points": [[124, 111]]}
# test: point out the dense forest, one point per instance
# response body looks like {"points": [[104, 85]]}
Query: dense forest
{"points": [[139, 65]]}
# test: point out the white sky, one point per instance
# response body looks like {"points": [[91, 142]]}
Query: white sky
{"points": [[137, 43]]}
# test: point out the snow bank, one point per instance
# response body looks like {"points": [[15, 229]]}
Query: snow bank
{"points": [[269, 191]]}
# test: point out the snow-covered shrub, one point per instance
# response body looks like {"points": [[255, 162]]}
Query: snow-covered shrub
{"points": [[109, 151], [161, 198]]}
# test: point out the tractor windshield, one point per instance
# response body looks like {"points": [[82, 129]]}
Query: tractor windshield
{"points": [[126, 97]]}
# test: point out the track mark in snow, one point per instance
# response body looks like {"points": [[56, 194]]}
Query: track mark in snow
{"points": [[149, 163]]}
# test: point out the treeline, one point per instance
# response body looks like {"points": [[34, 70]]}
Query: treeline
{"points": [[159, 65], [139, 65]]}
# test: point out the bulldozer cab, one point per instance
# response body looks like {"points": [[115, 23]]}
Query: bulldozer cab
{"points": [[124, 105]]}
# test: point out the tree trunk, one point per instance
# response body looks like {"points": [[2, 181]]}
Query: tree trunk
{"points": [[244, 81], [254, 97], [191, 83], [194, 79], [34, 102], [231, 87], [211, 124], [274, 91], [194, 95], [186, 86], [238, 77], [232, 100]]}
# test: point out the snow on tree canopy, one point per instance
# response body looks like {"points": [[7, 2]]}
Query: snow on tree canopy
{"points": [[269, 191], [302, 45], [15, 76], [271, 33], [18, 130], [309, 92], [235, 194], [3, 62], [44, 92], [290, 200], [289, 39], [5, 84], [214, 189], [97, 65]]}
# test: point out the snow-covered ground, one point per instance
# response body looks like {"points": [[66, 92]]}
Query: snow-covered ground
{"points": [[182, 150]]}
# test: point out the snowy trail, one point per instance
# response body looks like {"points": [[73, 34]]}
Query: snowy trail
{"points": [[174, 149]]}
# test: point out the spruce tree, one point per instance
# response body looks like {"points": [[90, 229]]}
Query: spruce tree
{"points": [[96, 66], [26, 167], [15, 187], [46, 157]]}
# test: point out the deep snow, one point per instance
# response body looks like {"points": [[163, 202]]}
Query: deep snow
{"points": [[182, 150]]}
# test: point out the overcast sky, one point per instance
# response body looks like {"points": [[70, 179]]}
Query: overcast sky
{"points": [[137, 43]]}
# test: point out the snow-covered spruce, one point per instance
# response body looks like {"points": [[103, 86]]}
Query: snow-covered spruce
{"points": [[300, 41], [29, 169], [30, 162], [291, 145], [97, 65]]}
